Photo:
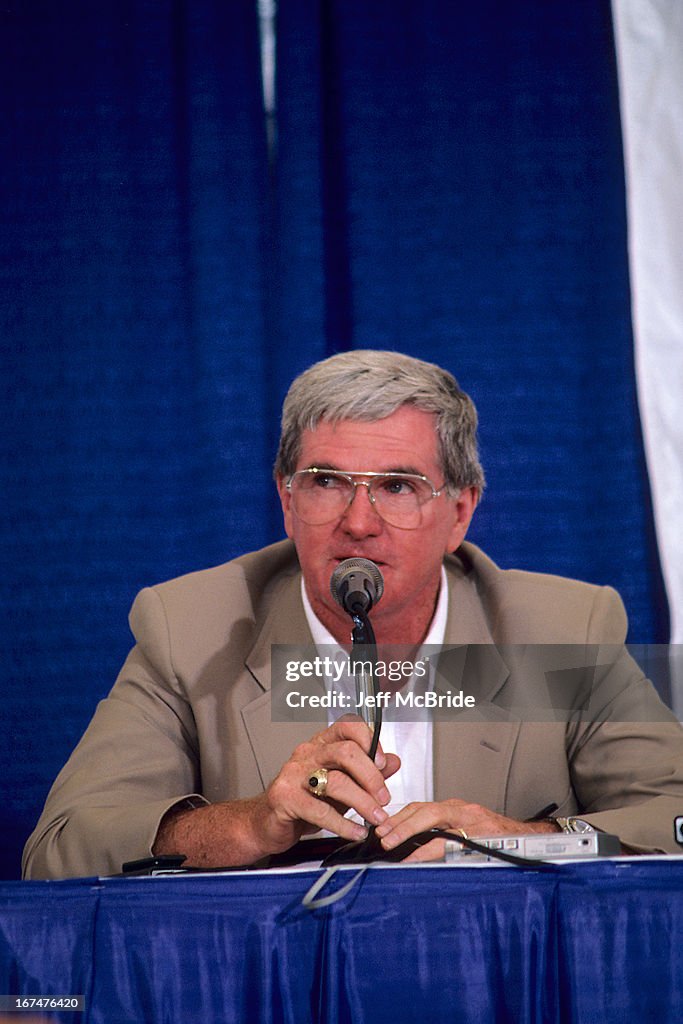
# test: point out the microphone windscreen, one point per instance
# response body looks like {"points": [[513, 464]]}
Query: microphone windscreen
{"points": [[357, 581]]}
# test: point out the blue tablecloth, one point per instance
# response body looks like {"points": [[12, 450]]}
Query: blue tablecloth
{"points": [[600, 941]]}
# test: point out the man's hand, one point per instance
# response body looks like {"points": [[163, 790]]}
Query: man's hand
{"points": [[353, 781], [244, 831], [454, 814]]}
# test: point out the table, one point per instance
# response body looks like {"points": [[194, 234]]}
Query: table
{"points": [[595, 941]]}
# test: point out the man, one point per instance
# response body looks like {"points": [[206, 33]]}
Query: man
{"points": [[184, 757]]}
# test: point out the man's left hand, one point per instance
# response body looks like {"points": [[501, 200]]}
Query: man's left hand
{"points": [[452, 815]]}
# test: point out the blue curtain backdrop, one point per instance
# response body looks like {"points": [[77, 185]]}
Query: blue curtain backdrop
{"points": [[447, 181], [136, 431]]}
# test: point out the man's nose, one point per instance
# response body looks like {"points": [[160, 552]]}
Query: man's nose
{"points": [[361, 518]]}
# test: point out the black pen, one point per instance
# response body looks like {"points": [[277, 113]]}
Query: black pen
{"points": [[545, 812]]}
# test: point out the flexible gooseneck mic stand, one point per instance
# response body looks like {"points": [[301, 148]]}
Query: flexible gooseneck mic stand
{"points": [[363, 656]]}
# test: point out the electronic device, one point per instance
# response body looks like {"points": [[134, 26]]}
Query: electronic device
{"points": [[678, 829], [539, 846]]}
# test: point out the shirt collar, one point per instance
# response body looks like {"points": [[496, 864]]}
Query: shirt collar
{"points": [[435, 634]]}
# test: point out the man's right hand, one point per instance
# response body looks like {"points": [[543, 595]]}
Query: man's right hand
{"points": [[353, 781], [244, 831]]}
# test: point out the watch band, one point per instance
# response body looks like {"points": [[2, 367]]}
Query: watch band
{"points": [[574, 825]]}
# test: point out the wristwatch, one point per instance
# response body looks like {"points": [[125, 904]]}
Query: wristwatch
{"points": [[573, 825]]}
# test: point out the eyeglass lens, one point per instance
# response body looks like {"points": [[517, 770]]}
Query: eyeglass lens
{"points": [[320, 497]]}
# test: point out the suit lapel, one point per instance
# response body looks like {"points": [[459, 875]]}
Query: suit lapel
{"points": [[472, 750], [285, 623]]}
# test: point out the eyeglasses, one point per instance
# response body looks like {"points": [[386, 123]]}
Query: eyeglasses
{"points": [[320, 496]]}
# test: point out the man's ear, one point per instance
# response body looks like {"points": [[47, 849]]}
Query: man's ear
{"points": [[463, 510], [286, 502]]}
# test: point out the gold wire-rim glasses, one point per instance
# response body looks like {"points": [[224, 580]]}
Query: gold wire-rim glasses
{"points": [[370, 480]]}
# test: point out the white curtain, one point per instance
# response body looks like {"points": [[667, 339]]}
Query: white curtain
{"points": [[649, 42]]}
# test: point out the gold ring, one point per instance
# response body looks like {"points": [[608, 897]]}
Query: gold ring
{"points": [[461, 832], [317, 783]]}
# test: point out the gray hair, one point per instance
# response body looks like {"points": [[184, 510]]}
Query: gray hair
{"points": [[369, 385]]}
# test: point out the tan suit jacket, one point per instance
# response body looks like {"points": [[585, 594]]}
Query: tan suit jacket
{"points": [[190, 714]]}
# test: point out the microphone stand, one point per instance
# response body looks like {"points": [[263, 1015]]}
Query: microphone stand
{"points": [[364, 654]]}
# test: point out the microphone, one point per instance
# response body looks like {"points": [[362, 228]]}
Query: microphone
{"points": [[357, 582], [357, 585]]}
